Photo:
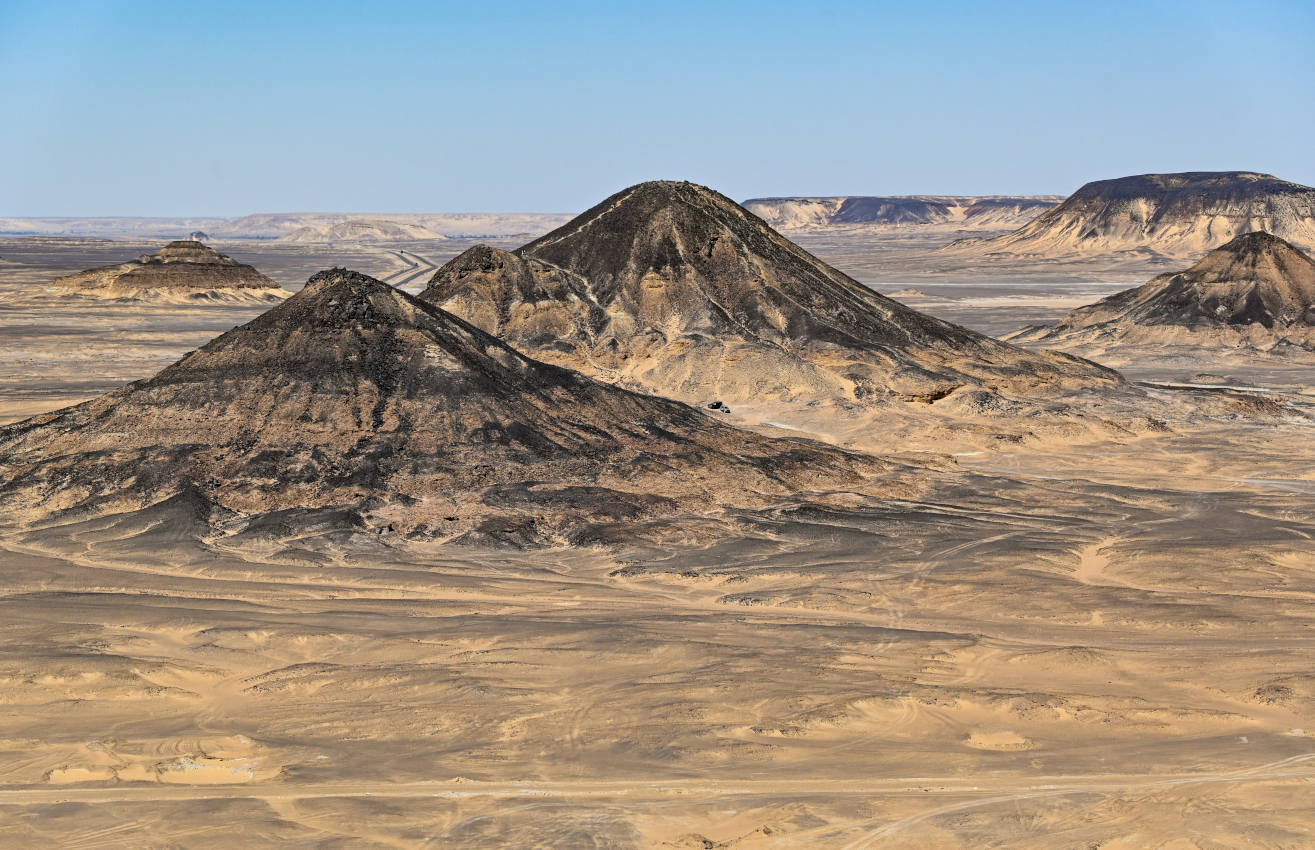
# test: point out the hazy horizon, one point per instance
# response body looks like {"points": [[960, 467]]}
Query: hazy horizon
{"points": [[154, 110]]}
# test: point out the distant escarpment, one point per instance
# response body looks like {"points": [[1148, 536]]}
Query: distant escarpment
{"points": [[354, 397], [989, 212], [360, 230], [1174, 214], [184, 270], [674, 289], [1258, 288]]}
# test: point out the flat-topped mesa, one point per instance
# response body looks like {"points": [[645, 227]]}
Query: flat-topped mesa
{"points": [[1177, 214], [185, 269], [677, 290], [1255, 281], [352, 392]]}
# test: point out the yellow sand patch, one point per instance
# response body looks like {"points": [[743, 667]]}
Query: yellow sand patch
{"points": [[66, 775], [1001, 741]]}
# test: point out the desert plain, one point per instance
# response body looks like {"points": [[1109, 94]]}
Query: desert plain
{"points": [[1052, 637]]}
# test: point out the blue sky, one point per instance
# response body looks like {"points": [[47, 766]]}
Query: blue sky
{"points": [[145, 108]]}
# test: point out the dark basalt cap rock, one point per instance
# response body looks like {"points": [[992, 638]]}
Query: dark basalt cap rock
{"points": [[191, 251], [1189, 187]]}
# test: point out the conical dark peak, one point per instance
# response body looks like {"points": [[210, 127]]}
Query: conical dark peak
{"points": [[339, 297], [658, 205], [495, 289], [350, 319], [1256, 242], [489, 266], [1256, 279], [478, 260], [677, 256], [481, 256], [1269, 262]]}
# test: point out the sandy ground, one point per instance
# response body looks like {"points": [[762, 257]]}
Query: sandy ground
{"points": [[1098, 643]]}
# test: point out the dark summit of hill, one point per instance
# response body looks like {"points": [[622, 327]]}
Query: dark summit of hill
{"points": [[354, 395], [1182, 214], [189, 251], [185, 269], [674, 288], [1256, 279]]}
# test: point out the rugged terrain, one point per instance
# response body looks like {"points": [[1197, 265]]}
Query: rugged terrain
{"points": [[352, 396], [1178, 215], [184, 269]]}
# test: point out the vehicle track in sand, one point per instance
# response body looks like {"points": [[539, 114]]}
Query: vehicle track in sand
{"points": [[1300, 766], [1265, 772], [416, 267]]}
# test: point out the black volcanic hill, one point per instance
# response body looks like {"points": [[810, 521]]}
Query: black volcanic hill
{"points": [[352, 394], [1183, 214], [185, 268], [1256, 279], [676, 289]]}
